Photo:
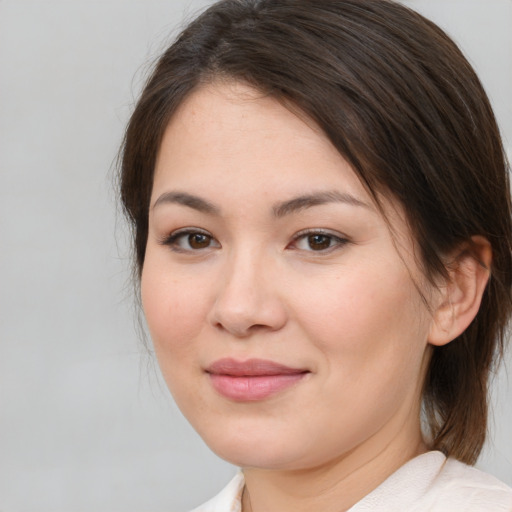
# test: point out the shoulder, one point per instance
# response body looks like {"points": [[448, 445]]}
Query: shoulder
{"points": [[428, 483], [462, 487], [433, 483], [228, 500]]}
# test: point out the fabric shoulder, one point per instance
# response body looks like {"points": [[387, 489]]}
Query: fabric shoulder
{"points": [[228, 500], [462, 487]]}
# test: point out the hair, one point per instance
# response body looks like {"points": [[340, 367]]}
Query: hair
{"points": [[402, 105]]}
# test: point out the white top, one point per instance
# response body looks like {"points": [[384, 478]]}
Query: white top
{"points": [[427, 483]]}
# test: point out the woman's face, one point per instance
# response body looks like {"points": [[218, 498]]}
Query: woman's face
{"points": [[284, 314]]}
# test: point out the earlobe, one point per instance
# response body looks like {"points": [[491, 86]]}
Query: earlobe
{"points": [[461, 296]]}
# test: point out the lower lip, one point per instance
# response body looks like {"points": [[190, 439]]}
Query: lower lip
{"points": [[253, 388]]}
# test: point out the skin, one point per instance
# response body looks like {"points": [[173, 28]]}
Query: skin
{"points": [[257, 287]]}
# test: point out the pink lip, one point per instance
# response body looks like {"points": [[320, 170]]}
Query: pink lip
{"points": [[251, 380]]}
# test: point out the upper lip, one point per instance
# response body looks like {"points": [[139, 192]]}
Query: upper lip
{"points": [[251, 368]]}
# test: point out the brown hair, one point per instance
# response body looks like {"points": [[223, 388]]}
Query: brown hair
{"points": [[402, 105]]}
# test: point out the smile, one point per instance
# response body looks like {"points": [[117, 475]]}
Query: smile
{"points": [[252, 380]]}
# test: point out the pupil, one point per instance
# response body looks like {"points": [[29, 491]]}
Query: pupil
{"points": [[198, 241], [319, 242]]}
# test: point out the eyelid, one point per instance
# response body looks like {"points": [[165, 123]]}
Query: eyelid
{"points": [[339, 237], [170, 239]]}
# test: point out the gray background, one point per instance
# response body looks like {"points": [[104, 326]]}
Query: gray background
{"points": [[85, 422]]}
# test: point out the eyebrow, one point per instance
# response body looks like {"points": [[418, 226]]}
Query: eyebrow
{"points": [[192, 201], [282, 209], [319, 198]]}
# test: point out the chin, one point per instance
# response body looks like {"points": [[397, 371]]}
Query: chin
{"points": [[246, 455], [261, 447]]}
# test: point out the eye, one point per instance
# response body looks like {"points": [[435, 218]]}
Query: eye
{"points": [[190, 240], [318, 241]]}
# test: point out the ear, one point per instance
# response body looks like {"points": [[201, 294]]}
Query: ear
{"points": [[460, 297]]}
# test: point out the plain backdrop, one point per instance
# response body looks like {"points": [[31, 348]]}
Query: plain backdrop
{"points": [[85, 422]]}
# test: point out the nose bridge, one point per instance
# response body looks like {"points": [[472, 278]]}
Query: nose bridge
{"points": [[246, 299], [244, 280]]}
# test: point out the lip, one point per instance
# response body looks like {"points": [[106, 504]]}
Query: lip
{"points": [[253, 379]]}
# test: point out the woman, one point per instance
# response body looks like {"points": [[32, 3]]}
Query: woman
{"points": [[321, 217]]}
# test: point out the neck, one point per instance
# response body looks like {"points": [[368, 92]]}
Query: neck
{"points": [[332, 487]]}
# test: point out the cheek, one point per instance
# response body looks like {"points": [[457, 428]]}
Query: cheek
{"points": [[173, 308], [366, 317], [174, 311], [372, 335]]}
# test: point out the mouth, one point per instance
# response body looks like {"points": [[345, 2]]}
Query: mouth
{"points": [[252, 380]]}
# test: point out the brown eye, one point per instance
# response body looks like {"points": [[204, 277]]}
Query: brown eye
{"points": [[199, 240], [319, 242], [190, 240]]}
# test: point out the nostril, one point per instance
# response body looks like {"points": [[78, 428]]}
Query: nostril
{"points": [[247, 306]]}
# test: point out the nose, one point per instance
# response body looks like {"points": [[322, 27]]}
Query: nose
{"points": [[248, 298]]}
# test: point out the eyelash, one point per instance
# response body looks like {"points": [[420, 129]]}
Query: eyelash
{"points": [[334, 240], [172, 239]]}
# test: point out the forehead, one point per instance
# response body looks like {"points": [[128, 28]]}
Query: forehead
{"points": [[228, 136], [228, 131], [232, 131], [245, 152]]}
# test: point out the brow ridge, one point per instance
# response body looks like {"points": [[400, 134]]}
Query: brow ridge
{"points": [[189, 200], [315, 199], [281, 209]]}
